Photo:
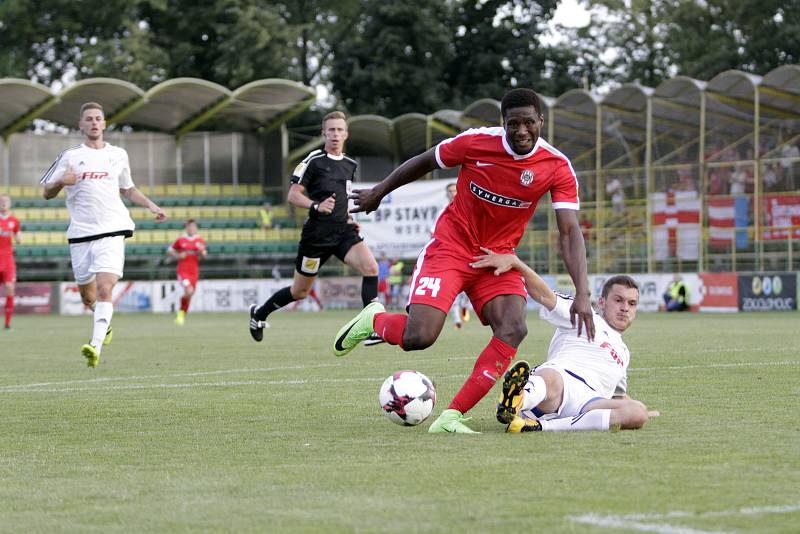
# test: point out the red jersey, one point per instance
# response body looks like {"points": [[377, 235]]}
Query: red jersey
{"points": [[191, 245], [497, 189], [9, 227]]}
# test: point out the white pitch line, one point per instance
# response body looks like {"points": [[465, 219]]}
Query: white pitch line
{"points": [[715, 366], [620, 522], [642, 522], [10, 388], [226, 383]]}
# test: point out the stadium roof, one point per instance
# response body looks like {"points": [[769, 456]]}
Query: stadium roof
{"points": [[175, 106]]}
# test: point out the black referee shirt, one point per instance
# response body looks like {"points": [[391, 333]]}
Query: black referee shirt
{"points": [[322, 175]]}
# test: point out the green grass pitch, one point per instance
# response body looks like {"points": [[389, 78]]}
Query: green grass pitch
{"points": [[201, 429]]}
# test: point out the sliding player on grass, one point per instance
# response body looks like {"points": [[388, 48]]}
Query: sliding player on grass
{"points": [[583, 384]]}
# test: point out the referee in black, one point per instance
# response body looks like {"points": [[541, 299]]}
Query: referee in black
{"points": [[321, 184]]}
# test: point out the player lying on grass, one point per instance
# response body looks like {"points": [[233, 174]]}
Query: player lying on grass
{"points": [[583, 384]]}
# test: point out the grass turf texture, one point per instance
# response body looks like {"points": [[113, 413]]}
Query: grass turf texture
{"points": [[200, 428]]}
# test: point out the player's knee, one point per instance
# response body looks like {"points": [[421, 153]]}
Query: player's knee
{"points": [[512, 332], [418, 340], [371, 269]]}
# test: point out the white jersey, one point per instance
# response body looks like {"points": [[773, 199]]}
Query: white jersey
{"points": [[94, 203], [601, 364]]}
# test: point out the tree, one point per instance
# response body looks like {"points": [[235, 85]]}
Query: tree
{"points": [[393, 61]]}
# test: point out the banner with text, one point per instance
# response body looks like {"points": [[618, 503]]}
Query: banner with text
{"points": [[768, 292], [402, 224]]}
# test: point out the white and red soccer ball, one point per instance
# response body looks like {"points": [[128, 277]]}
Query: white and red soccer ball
{"points": [[407, 397]]}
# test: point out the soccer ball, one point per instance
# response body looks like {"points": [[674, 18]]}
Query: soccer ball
{"points": [[407, 397]]}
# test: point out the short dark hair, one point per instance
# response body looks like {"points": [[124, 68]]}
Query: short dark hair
{"points": [[190, 221], [520, 98], [91, 105], [618, 280], [333, 115]]}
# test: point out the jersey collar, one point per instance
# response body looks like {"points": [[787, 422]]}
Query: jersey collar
{"points": [[340, 157], [514, 155]]}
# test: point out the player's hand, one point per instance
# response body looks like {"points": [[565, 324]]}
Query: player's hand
{"points": [[69, 178], [326, 206], [160, 214], [366, 200], [580, 315], [501, 262]]}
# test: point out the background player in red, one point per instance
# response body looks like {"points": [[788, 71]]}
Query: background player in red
{"points": [[188, 249], [504, 172], [9, 234]]}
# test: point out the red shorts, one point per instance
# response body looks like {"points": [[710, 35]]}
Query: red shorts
{"points": [[383, 286], [188, 280], [8, 270], [442, 272]]}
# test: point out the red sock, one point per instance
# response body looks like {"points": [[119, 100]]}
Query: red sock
{"points": [[9, 309], [185, 300], [491, 364], [390, 326]]}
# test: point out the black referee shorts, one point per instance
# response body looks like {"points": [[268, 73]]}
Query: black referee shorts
{"points": [[319, 242]]}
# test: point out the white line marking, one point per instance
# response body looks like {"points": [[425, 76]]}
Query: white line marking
{"points": [[641, 521], [11, 388], [227, 383], [716, 365], [619, 522]]}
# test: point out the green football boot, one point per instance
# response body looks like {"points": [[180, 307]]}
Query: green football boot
{"points": [[91, 354], [451, 421], [357, 330], [109, 336]]}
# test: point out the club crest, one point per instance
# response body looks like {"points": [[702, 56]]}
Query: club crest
{"points": [[526, 178]]}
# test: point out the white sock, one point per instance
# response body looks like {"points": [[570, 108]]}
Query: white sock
{"points": [[535, 392], [591, 420], [102, 318]]}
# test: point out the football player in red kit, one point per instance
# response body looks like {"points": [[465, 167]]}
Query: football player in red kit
{"points": [[188, 249], [9, 234], [504, 172]]}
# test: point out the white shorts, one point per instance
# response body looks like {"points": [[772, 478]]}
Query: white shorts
{"points": [[577, 394], [106, 255]]}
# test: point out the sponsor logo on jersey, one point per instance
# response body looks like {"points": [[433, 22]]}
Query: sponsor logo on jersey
{"points": [[500, 200], [526, 178], [94, 175]]}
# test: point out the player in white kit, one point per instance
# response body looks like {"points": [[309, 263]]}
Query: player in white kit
{"points": [[583, 384], [93, 175]]}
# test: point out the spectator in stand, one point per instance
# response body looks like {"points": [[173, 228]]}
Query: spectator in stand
{"points": [[615, 191], [770, 178], [265, 217], [739, 181], [790, 156]]}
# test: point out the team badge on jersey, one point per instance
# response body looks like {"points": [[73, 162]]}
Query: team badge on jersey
{"points": [[526, 178]]}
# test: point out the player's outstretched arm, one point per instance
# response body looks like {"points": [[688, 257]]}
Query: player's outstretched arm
{"points": [[537, 288], [573, 250], [140, 199], [368, 200]]}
